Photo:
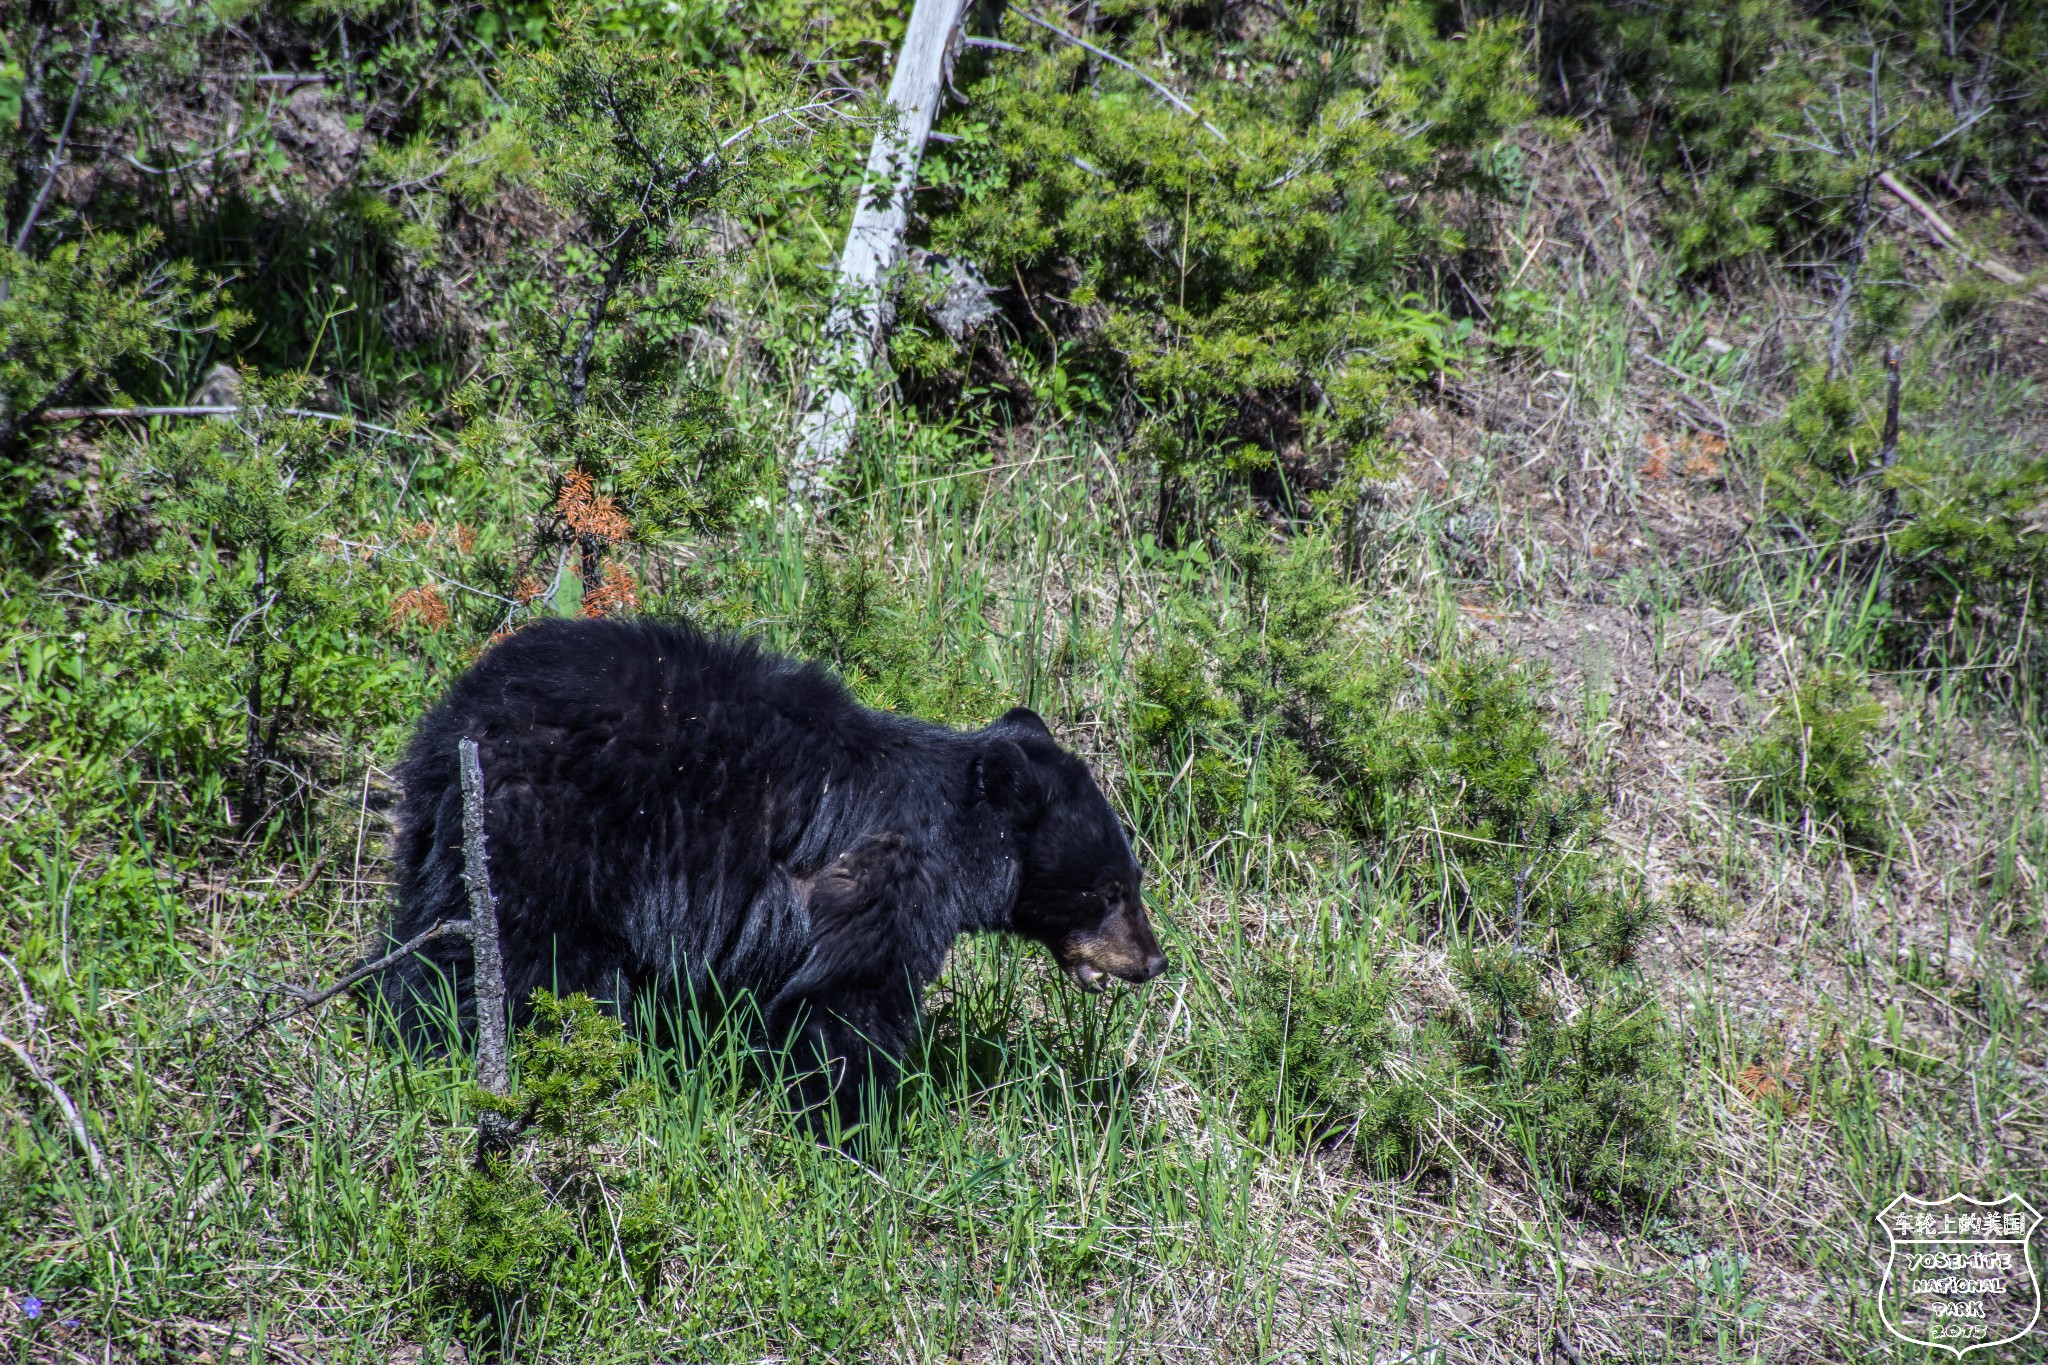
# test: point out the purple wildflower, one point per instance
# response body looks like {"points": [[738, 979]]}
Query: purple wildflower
{"points": [[32, 1307]]}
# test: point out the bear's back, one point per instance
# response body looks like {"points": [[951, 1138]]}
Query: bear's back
{"points": [[590, 729]]}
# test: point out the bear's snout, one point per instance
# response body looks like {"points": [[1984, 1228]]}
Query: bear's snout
{"points": [[1122, 946]]}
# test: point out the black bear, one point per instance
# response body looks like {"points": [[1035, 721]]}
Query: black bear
{"points": [[668, 811]]}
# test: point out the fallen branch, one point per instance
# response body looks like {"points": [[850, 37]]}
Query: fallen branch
{"points": [[1997, 270], [73, 1120], [218, 410]]}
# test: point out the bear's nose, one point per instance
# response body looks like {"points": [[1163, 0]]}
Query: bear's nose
{"points": [[1154, 965]]}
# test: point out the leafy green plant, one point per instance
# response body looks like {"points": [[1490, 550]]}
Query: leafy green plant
{"points": [[1935, 514], [573, 1060], [497, 1233], [70, 319], [1601, 1092], [1813, 768], [1589, 1096], [874, 634], [1242, 273], [1512, 837], [1766, 122], [1277, 712]]}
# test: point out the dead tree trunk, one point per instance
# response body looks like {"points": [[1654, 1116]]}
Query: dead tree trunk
{"points": [[861, 312], [494, 1131]]}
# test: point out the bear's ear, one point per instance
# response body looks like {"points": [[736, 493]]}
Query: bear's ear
{"points": [[1002, 777], [1024, 718]]}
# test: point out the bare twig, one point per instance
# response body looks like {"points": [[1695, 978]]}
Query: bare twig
{"points": [[72, 1119], [1888, 452], [1175, 100], [1838, 321], [494, 1132], [41, 1075], [306, 1000], [28, 222]]}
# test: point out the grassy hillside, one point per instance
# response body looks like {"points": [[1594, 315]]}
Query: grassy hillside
{"points": [[1534, 512]]}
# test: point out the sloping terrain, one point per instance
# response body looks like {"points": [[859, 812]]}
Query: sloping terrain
{"points": [[1549, 586]]}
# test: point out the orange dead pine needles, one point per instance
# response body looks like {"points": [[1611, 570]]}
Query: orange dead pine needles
{"points": [[617, 593], [424, 605], [590, 514]]}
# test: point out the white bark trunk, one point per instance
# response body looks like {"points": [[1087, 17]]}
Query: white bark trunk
{"points": [[861, 312]]}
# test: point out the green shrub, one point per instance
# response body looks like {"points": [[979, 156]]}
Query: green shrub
{"points": [[1755, 115], [1589, 1098], [635, 158], [497, 1233], [248, 578], [1282, 718], [1245, 272], [1508, 834], [494, 1233], [71, 320], [1598, 1095], [1278, 713], [1948, 538], [1187, 722], [1457, 790], [1308, 1040], [573, 1062], [1813, 766], [877, 637]]}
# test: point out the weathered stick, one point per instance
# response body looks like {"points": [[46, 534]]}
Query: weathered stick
{"points": [[494, 1132], [1997, 270], [216, 410], [72, 1118], [58, 1096], [1888, 451], [861, 312]]}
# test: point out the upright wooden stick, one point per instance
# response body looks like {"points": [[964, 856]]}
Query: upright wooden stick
{"points": [[494, 1132], [860, 309]]}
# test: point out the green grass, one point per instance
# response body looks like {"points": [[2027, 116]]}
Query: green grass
{"points": [[1547, 984], [1059, 1168]]}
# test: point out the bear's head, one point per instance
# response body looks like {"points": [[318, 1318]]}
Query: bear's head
{"points": [[1079, 889]]}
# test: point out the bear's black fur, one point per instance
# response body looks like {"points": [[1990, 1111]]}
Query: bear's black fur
{"points": [[669, 811]]}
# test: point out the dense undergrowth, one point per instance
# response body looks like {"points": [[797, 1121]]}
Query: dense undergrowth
{"points": [[1429, 320]]}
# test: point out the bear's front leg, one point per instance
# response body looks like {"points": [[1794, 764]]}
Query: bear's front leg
{"points": [[851, 1010], [846, 1055]]}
